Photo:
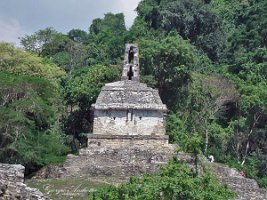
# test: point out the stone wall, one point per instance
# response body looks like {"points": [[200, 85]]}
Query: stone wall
{"points": [[126, 140], [134, 63], [247, 189], [120, 156], [12, 185], [128, 122]]}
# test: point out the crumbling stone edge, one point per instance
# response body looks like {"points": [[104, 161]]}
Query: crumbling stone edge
{"points": [[12, 184]]}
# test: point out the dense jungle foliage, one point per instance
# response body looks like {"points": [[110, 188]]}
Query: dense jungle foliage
{"points": [[174, 181], [208, 58]]}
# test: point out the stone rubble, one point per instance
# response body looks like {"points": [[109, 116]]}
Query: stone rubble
{"points": [[112, 157], [12, 185], [247, 189]]}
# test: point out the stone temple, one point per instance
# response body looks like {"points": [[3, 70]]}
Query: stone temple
{"points": [[128, 131], [129, 107]]}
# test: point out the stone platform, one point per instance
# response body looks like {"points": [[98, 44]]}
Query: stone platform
{"points": [[107, 140], [120, 155]]}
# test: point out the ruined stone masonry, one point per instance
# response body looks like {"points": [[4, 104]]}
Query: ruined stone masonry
{"points": [[128, 139], [246, 189], [12, 185], [129, 132], [129, 135]]}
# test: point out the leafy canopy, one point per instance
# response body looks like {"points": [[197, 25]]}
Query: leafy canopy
{"points": [[174, 181]]}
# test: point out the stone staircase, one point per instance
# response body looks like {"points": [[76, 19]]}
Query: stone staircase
{"points": [[247, 189], [116, 160], [127, 161]]}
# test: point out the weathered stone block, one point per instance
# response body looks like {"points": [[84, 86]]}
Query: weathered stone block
{"points": [[12, 185], [125, 157]]}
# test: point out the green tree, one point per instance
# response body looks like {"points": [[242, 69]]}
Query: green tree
{"points": [[111, 22], [250, 80], [174, 181], [247, 33], [81, 89], [78, 35], [34, 43], [65, 52], [30, 109], [169, 61], [61, 49], [194, 20], [84, 85], [19, 62], [29, 133], [106, 39]]}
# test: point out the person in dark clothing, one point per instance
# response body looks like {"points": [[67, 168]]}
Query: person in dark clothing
{"points": [[130, 73], [131, 55]]}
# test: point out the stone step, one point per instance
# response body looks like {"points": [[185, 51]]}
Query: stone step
{"points": [[239, 182], [118, 160], [247, 189], [225, 171], [135, 148], [251, 194], [113, 169]]}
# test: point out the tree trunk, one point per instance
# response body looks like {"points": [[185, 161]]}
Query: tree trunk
{"points": [[206, 139], [255, 120], [196, 164]]}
